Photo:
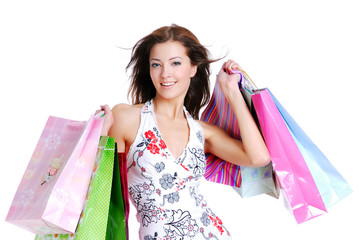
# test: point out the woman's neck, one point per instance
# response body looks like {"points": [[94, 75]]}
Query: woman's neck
{"points": [[171, 109]]}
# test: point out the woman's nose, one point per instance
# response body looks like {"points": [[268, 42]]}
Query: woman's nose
{"points": [[165, 71]]}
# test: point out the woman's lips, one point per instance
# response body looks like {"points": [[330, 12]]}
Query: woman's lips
{"points": [[168, 84]]}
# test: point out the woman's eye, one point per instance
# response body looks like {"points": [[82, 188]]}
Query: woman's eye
{"points": [[154, 65], [176, 63]]}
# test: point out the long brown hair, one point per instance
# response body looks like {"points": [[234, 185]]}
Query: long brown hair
{"points": [[142, 89]]}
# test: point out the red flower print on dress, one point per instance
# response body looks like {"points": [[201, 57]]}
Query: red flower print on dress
{"points": [[153, 148], [162, 144], [146, 186], [184, 167], [217, 222], [149, 134]]}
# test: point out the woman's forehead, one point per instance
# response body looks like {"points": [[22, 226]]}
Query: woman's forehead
{"points": [[168, 50]]}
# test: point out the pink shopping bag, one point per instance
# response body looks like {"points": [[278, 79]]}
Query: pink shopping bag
{"points": [[51, 194], [294, 176]]}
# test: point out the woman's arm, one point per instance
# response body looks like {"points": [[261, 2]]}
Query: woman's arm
{"points": [[114, 123], [126, 120], [251, 151]]}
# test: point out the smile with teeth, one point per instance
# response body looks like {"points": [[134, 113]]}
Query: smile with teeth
{"points": [[168, 84]]}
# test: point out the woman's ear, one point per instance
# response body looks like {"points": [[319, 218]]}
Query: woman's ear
{"points": [[193, 70]]}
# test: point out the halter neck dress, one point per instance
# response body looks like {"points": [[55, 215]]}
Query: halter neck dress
{"points": [[164, 190]]}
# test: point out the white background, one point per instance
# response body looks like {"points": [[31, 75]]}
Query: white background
{"points": [[66, 58]]}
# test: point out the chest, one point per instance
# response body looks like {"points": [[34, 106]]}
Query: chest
{"points": [[175, 134], [166, 147]]}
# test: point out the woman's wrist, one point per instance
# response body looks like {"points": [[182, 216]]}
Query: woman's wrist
{"points": [[230, 89]]}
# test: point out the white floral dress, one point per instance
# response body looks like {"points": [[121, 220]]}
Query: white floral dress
{"points": [[164, 190]]}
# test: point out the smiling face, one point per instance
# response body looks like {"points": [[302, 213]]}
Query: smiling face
{"points": [[171, 70]]}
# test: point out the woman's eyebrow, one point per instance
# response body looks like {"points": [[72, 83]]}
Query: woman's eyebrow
{"points": [[175, 58], [156, 59]]}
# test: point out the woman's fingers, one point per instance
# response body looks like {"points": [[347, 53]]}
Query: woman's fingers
{"points": [[109, 120], [230, 65]]}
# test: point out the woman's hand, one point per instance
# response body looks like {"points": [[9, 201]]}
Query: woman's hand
{"points": [[109, 120], [251, 150], [228, 81]]}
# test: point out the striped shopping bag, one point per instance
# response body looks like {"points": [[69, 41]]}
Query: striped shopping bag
{"points": [[247, 181]]}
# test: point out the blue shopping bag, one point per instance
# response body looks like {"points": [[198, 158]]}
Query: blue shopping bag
{"points": [[330, 183]]}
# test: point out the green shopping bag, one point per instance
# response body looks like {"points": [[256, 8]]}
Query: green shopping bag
{"points": [[103, 215]]}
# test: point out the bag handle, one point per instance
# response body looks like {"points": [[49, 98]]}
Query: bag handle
{"points": [[99, 114], [242, 72]]}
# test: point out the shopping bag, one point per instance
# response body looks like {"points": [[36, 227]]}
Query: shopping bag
{"points": [[124, 185], [117, 226], [103, 211], [50, 196], [293, 174], [217, 113], [256, 181], [330, 183], [247, 181]]}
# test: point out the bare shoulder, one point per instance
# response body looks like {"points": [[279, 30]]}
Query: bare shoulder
{"points": [[126, 110], [126, 122], [126, 116], [209, 129]]}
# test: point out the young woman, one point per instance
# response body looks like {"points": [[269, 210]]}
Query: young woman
{"points": [[165, 142]]}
